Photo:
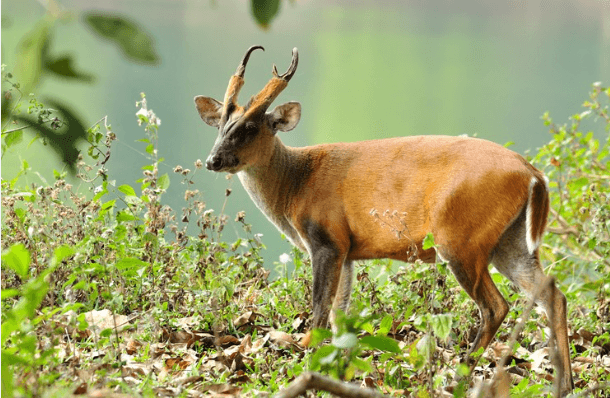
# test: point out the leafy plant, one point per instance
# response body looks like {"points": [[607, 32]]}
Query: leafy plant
{"points": [[35, 62], [341, 358], [110, 288], [576, 163], [20, 346]]}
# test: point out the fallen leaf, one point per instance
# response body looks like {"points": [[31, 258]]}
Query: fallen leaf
{"points": [[282, 339], [540, 360], [157, 349], [104, 319], [244, 318], [188, 380], [132, 346], [259, 343], [81, 389], [227, 340], [224, 388], [246, 344], [135, 369]]}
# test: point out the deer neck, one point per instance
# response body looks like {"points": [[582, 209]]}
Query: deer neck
{"points": [[274, 182]]}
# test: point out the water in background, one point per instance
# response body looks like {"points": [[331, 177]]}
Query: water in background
{"points": [[367, 69]]}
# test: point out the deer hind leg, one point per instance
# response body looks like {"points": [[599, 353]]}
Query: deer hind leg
{"points": [[477, 282], [513, 259]]}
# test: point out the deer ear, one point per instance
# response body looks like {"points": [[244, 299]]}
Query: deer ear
{"points": [[209, 110], [285, 117]]}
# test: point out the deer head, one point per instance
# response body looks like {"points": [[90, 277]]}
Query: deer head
{"points": [[245, 134]]}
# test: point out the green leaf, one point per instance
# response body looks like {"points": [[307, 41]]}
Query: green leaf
{"points": [[106, 332], [441, 325], [124, 216], [108, 205], [130, 263], [7, 374], [80, 285], [428, 241], [30, 54], [361, 365], [425, 345], [318, 336], [13, 138], [264, 11], [64, 141], [64, 68], [385, 326], [102, 192], [367, 327], [132, 40], [163, 182], [323, 355], [7, 293], [17, 258], [60, 254], [579, 183], [382, 343], [346, 340], [127, 190]]}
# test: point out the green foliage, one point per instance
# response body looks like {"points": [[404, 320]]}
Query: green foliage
{"points": [[264, 11], [428, 242], [119, 254], [342, 357], [35, 62], [576, 161], [131, 39], [19, 343], [67, 253]]}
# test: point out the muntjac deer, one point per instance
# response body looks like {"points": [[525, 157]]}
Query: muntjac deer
{"points": [[482, 202]]}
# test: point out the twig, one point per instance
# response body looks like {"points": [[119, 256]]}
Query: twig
{"points": [[564, 231], [549, 281], [589, 391], [17, 129], [313, 380]]}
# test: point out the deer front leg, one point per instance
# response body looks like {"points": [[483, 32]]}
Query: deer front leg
{"points": [[327, 264], [344, 291], [328, 259]]}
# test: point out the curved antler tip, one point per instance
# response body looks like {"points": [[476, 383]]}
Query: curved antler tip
{"points": [[242, 67], [293, 65]]}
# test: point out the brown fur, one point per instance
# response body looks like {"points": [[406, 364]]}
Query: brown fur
{"points": [[379, 199]]}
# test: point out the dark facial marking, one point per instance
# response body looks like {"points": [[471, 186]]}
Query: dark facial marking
{"points": [[240, 133]]}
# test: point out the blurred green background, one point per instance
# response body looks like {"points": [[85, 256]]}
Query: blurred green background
{"points": [[367, 69]]}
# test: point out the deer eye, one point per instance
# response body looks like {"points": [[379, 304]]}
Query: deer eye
{"points": [[237, 139]]}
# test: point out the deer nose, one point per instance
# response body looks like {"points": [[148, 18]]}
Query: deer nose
{"points": [[213, 163]]}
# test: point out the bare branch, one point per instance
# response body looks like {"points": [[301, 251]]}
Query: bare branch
{"points": [[312, 380]]}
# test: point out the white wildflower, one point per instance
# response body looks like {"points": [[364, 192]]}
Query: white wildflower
{"points": [[142, 113]]}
